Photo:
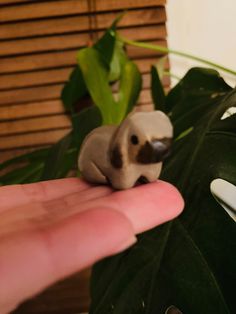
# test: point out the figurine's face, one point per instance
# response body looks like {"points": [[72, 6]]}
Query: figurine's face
{"points": [[149, 137]]}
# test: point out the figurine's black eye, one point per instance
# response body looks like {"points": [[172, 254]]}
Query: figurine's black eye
{"points": [[134, 139]]}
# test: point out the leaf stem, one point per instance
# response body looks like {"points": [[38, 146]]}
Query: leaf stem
{"points": [[176, 52]]}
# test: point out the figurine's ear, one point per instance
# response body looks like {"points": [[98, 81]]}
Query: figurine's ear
{"points": [[116, 157]]}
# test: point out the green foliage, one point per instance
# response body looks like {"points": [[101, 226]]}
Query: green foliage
{"points": [[188, 262], [130, 86], [95, 75]]}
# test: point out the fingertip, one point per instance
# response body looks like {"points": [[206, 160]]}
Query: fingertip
{"points": [[173, 194], [150, 205]]}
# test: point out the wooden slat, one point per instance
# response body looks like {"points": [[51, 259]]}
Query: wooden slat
{"points": [[35, 124], [63, 42], [62, 59], [32, 139], [62, 8], [145, 97], [31, 110], [54, 43], [20, 80], [47, 108], [145, 107], [7, 154], [28, 79], [37, 61], [4, 2], [41, 93], [30, 94], [80, 23], [47, 137]]}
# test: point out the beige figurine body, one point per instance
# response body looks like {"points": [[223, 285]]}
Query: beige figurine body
{"points": [[122, 155]]}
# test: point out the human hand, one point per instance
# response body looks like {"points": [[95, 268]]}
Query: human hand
{"points": [[51, 229]]}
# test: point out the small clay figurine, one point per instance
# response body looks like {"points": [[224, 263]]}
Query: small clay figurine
{"points": [[123, 155]]}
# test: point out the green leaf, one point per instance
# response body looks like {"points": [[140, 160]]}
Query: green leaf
{"points": [[130, 86], [29, 157], [87, 120], [199, 90], [106, 44], [55, 160], [118, 61], [197, 82], [25, 174], [74, 89], [95, 74], [189, 262], [158, 94]]}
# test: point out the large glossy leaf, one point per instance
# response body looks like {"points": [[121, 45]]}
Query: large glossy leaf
{"points": [[189, 262], [201, 89]]}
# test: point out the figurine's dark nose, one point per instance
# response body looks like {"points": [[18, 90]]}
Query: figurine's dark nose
{"points": [[160, 149], [154, 151]]}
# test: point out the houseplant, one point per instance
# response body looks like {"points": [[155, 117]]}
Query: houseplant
{"points": [[188, 262]]}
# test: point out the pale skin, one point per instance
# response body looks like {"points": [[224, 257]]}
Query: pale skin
{"points": [[52, 229]]}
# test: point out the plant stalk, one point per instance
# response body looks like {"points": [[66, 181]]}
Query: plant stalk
{"points": [[176, 52]]}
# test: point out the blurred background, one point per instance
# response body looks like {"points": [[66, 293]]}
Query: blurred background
{"points": [[205, 28]]}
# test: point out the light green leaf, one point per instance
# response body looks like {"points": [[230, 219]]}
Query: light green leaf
{"points": [[95, 74], [118, 60], [130, 86]]}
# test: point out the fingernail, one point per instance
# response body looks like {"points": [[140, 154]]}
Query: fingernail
{"points": [[125, 245]]}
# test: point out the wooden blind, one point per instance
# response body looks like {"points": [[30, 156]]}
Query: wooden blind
{"points": [[38, 44]]}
